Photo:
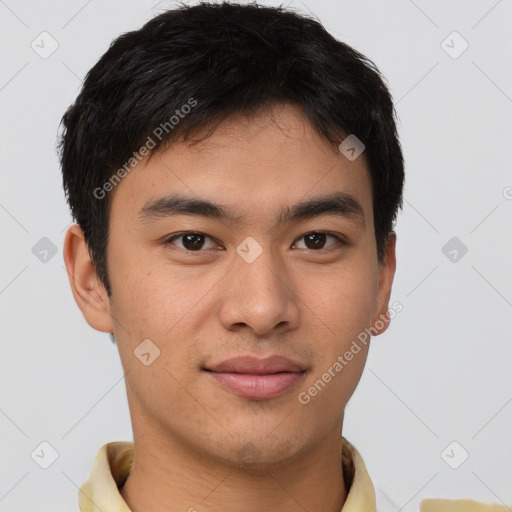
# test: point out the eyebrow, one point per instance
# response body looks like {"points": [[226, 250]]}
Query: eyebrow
{"points": [[339, 204]]}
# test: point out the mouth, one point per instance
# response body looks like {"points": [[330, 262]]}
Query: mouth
{"points": [[257, 379]]}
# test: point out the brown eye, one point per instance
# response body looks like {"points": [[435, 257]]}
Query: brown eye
{"points": [[316, 240], [191, 241]]}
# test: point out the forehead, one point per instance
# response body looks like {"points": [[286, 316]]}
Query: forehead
{"points": [[254, 164]]}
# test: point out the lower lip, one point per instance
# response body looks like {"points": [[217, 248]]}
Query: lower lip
{"points": [[258, 386]]}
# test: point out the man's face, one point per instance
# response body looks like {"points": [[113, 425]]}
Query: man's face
{"points": [[204, 299]]}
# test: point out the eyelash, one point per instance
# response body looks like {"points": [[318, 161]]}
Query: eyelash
{"points": [[169, 241]]}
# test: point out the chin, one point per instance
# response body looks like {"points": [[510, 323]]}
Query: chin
{"points": [[257, 453]]}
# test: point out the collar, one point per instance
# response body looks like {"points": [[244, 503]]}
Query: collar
{"points": [[100, 493]]}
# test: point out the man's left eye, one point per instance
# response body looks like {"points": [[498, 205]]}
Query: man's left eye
{"points": [[316, 240]]}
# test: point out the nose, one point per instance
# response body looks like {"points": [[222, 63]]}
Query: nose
{"points": [[259, 296]]}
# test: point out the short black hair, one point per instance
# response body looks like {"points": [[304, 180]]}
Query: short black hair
{"points": [[190, 68]]}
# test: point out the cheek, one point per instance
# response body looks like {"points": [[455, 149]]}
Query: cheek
{"points": [[149, 295], [345, 304], [341, 312], [341, 301], [153, 300]]}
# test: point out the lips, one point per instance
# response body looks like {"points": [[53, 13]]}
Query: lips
{"points": [[258, 379], [253, 365]]}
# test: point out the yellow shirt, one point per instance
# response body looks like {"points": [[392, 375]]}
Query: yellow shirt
{"points": [[100, 493]]}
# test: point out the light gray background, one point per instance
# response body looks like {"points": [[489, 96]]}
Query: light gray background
{"points": [[441, 373]]}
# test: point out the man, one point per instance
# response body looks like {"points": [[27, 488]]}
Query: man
{"points": [[235, 174]]}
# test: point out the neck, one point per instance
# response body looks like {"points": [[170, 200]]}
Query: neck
{"points": [[167, 476]]}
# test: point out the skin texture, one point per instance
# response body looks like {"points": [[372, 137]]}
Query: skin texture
{"points": [[196, 443]]}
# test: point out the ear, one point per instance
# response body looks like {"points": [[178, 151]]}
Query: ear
{"points": [[88, 290], [386, 274]]}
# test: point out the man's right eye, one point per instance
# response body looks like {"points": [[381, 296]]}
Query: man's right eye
{"points": [[191, 241]]}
